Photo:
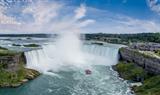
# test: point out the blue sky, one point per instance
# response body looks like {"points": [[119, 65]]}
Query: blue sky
{"points": [[136, 8], [86, 16]]}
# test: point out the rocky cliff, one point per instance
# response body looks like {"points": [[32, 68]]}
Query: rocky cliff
{"points": [[148, 62], [12, 62], [12, 69]]}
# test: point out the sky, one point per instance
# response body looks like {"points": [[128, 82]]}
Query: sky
{"points": [[84, 16]]}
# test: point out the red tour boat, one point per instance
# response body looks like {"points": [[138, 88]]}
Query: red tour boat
{"points": [[88, 72]]}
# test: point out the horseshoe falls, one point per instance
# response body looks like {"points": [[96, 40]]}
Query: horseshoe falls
{"points": [[64, 71]]}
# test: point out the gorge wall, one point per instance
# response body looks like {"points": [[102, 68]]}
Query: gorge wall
{"points": [[148, 62], [12, 62], [12, 69]]}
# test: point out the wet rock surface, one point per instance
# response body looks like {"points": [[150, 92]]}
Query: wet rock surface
{"points": [[148, 62], [12, 69]]}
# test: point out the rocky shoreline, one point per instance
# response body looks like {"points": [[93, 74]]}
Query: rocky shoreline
{"points": [[141, 68], [147, 61], [30, 75], [12, 69]]}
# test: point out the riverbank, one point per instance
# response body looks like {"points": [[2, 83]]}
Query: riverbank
{"points": [[12, 79], [137, 64], [12, 69], [131, 72]]}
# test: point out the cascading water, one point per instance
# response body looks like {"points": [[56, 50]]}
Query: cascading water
{"points": [[70, 76], [49, 59], [64, 62]]}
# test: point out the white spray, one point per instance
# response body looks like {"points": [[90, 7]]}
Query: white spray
{"points": [[66, 53]]}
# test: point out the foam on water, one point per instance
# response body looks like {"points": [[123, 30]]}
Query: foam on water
{"points": [[49, 58], [66, 61], [102, 81]]}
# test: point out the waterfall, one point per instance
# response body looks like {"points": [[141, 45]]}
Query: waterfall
{"points": [[49, 59], [98, 59]]}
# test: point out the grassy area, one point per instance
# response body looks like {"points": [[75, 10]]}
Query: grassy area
{"points": [[151, 86], [31, 45], [9, 78], [157, 52], [2, 48], [16, 45], [130, 71], [14, 79], [7, 52], [151, 83]]}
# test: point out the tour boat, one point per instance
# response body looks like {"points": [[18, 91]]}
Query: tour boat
{"points": [[88, 72]]}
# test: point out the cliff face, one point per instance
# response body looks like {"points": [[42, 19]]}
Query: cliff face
{"points": [[146, 46], [148, 62], [12, 63], [12, 70]]}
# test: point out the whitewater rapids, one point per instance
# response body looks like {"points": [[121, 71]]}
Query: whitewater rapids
{"points": [[68, 71]]}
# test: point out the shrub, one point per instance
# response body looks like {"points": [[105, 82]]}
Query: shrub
{"points": [[2, 48], [31, 45], [16, 45], [151, 86], [157, 52], [130, 71], [7, 52], [151, 83]]}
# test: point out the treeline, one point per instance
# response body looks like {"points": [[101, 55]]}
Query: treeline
{"points": [[28, 35], [113, 38], [141, 37]]}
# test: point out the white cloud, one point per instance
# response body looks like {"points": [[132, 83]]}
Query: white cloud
{"points": [[48, 18], [42, 12], [86, 22], [7, 20], [80, 12], [109, 22], [133, 24], [154, 5]]}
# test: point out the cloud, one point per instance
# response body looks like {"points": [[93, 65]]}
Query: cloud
{"points": [[7, 20], [141, 25], [109, 22], [80, 12], [42, 12], [47, 17], [86, 22], [154, 5], [137, 26], [56, 17]]}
